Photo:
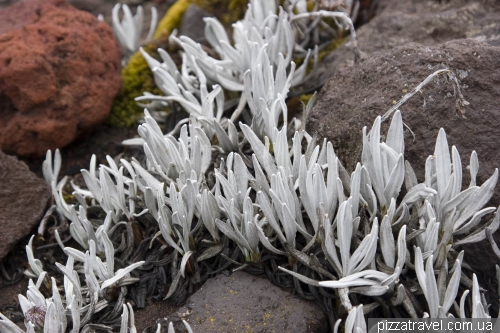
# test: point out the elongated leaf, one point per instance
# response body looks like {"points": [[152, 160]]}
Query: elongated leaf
{"points": [[480, 234], [311, 262], [363, 278], [121, 273], [395, 134], [184, 261], [344, 231], [473, 221], [458, 200], [431, 293], [479, 199], [443, 162], [457, 171], [401, 247], [225, 229], [452, 290], [395, 181], [387, 242], [51, 323], [370, 290], [224, 140], [266, 208], [370, 251], [289, 225], [302, 278], [474, 168], [260, 151], [329, 246], [355, 189], [419, 269], [265, 241], [417, 192]]}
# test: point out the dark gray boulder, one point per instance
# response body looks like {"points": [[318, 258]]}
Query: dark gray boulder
{"points": [[23, 200]]}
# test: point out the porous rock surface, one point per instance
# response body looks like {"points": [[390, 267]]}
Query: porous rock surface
{"points": [[243, 302], [428, 22], [23, 200], [59, 73], [405, 42], [355, 96]]}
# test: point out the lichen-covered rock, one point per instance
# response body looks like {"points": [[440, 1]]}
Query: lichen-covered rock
{"points": [[23, 200], [59, 73], [245, 303]]}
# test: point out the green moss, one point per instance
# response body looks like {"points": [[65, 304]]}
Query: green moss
{"points": [[136, 78], [136, 75]]}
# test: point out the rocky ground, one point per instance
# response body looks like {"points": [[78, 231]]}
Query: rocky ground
{"points": [[405, 42]]}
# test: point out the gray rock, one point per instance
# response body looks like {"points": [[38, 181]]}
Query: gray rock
{"points": [[430, 23], [245, 303], [192, 24], [23, 200], [355, 96]]}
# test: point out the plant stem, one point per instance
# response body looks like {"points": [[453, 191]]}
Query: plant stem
{"points": [[344, 298]]}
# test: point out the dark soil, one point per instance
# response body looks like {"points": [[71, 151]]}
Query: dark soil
{"points": [[103, 141]]}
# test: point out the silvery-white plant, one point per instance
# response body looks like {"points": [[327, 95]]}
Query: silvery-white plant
{"points": [[50, 314], [40, 313], [292, 188], [354, 323], [128, 30], [383, 188], [276, 181], [457, 211], [439, 297], [261, 58], [128, 322], [36, 267], [279, 176], [478, 309]]}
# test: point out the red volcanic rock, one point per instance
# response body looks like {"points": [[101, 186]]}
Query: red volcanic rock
{"points": [[59, 73]]}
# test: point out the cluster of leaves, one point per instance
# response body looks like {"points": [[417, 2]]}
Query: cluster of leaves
{"points": [[263, 196]]}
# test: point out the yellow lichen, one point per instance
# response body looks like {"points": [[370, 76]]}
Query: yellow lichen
{"points": [[305, 98], [172, 19], [311, 5]]}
